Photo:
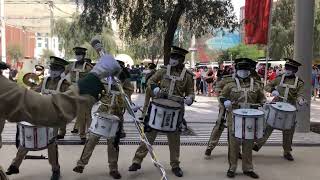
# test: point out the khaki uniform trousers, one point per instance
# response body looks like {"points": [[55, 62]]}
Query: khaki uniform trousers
{"points": [[63, 131], [83, 120], [2, 122], [287, 137], [234, 149], [113, 152], [53, 155], [146, 101], [174, 147], [216, 131]]}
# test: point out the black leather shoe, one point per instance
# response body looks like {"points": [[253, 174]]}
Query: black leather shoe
{"points": [[256, 148], [115, 174], [177, 171], [60, 137], [208, 152], [288, 156], [12, 170], [231, 174], [78, 169], [134, 167], [240, 156], [55, 175], [251, 174], [75, 131]]}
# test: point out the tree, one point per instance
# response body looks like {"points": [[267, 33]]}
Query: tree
{"points": [[138, 18], [71, 34], [282, 30], [46, 53], [14, 52], [241, 51]]}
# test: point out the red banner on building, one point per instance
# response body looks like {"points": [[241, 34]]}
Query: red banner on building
{"points": [[257, 16]]}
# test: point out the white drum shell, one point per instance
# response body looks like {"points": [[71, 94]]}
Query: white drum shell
{"points": [[163, 118], [35, 138], [104, 125], [249, 127], [280, 119]]}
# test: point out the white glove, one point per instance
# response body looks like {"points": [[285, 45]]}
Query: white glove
{"points": [[156, 91], [227, 104], [106, 66], [301, 101], [188, 100], [275, 93]]}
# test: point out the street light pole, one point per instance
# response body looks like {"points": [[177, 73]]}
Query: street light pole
{"points": [[303, 52], [3, 33]]}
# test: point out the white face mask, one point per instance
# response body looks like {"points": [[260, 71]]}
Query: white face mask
{"points": [[243, 73], [38, 73], [79, 57], [55, 74], [173, 62], [288, 73]]}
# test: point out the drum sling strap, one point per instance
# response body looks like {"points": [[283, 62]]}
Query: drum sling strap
{"points": [[288, 87], [45, 90], [78, 70], [245, 90], [112, 93], [173, 79]]}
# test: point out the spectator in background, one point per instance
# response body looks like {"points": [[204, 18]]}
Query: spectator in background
{"points": [[271, 74], [198, 81], [315, 81], [133, 78], [210, 79], [279, 71], [138, 72], [204, 82]]}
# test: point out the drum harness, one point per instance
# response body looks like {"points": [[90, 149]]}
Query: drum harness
{"points": [[287, 87], [139, 125], [77, 71], [47, 91]]}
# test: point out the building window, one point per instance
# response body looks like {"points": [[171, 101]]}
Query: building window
{"points": [[39, 39], [39, 45]]}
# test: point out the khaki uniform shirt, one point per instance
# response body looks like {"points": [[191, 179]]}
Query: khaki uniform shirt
{"points": [[78, 65], [182, 88], [294, 93], [19, 104]]}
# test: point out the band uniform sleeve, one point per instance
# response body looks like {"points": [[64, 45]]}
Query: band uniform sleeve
{"points": [[156, 78], [300, 89], [271, 85], [19, 104], [190, 86]]}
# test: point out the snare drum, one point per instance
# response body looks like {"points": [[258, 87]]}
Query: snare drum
{"points": [[281, 115], [248, 123], [35, 138], [104, 124], [164, 115]]}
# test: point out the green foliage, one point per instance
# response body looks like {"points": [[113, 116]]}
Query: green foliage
{"points": [[46, 53], [241, 51], [145, 19], [282, 30], [71, 34], [14, 52], [316, 44]]}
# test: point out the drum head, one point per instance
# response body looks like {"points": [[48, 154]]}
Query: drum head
{"points": [[282, 106], [26, 124], [248, 112], [166, 103], [104, 115]]}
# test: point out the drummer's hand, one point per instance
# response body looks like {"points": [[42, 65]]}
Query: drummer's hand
{"points": [[188, 100], [227, 104], [156, 91], [106, 66], [301, 101], [275, 93]]}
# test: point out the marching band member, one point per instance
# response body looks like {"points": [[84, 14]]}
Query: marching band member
{"points": [[77, 70], [55, 110], [113, 103], [220, 123], [285, 88], [172, 82], [50, 85], [242, 92]]}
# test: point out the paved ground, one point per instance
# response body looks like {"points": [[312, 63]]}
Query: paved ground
{"points": [[201, 117], [268, 163]]}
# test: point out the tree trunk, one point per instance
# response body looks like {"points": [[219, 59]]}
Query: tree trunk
{"points": [[172, 27]]}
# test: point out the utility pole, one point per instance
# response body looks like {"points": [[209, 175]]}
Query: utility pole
{"points": [[303, 52], [3, 33], [50, 3], [193, 50]]}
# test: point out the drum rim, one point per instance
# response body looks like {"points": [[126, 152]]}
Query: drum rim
{"points": [[274, 107], [242, 115], [164, 106], [97, 114]]}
